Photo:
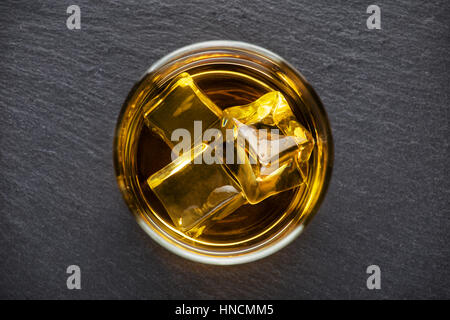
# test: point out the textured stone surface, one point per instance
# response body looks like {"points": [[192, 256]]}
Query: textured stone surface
{"points": [[387, 95]]}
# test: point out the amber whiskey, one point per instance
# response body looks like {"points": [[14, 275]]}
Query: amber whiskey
{"points": [[255, 214]]}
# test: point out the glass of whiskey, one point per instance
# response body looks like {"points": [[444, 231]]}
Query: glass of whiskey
{"points": [[223, 212]]}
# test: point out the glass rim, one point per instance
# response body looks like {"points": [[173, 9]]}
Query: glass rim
{"points": [[269, 248]]}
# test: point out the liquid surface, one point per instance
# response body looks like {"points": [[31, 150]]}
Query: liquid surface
{"points": [[193, 196]]}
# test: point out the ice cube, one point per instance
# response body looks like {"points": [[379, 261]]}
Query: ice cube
{"points": [[195, 195], [271, 147], [177, 107]]}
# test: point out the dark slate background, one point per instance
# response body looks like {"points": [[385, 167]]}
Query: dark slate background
{"points": [[387, 95]]}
